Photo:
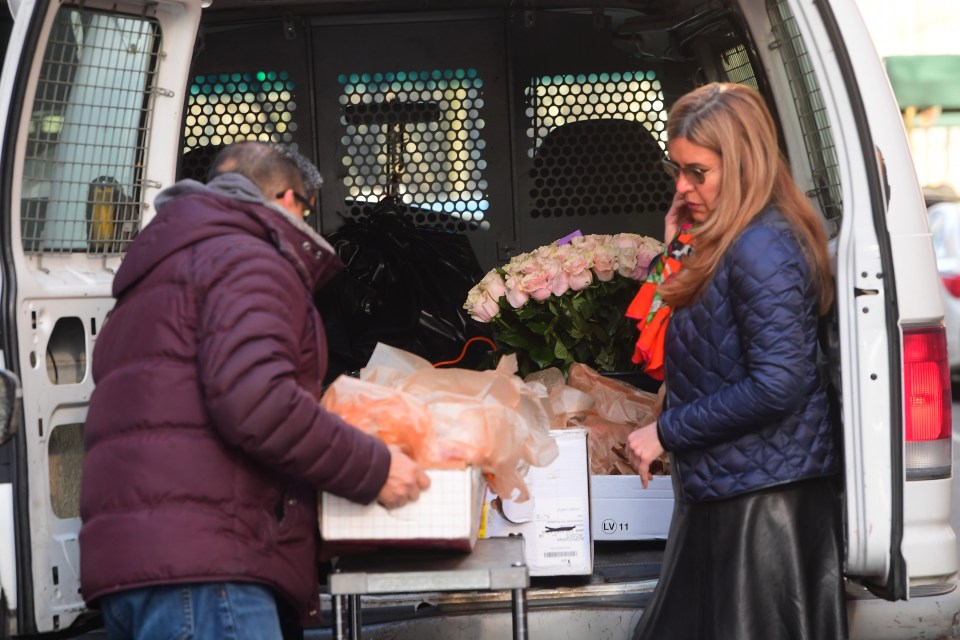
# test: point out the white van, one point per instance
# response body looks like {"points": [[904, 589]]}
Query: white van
{"points": [[513, 123]]}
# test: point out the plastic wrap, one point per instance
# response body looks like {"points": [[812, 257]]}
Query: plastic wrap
{"points": [[446, 417]]}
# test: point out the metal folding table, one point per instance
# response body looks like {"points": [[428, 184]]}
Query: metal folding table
{"points": [[496, 564]]}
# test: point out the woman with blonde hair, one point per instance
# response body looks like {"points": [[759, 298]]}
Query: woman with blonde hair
{"points": [[755, 544]]}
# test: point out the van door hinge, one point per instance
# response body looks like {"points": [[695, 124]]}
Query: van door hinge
{"points": [[165, 93]]}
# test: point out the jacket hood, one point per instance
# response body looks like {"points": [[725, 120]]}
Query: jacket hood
{"points": [[190, 212]]}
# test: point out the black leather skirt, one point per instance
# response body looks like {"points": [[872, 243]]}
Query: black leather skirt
{"points": [[762, 566]]}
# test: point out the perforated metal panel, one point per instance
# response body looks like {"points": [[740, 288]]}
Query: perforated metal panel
{"points": [[596, 141], [230, 107], [88, 128], [415, 139]]}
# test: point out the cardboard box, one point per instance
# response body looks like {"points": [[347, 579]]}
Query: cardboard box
{"points": [[447, 515], [623, 510], [555, 521]]}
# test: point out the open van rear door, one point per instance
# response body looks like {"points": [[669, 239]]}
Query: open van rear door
{"points": [[888, 330], [91, 98], [837, 112], [895, 382]]}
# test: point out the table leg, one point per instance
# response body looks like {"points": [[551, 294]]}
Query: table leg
{"points": [[338, 618], [355, 622], [519, 606]]}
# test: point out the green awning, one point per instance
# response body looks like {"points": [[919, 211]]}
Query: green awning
{"points": [[925, 81]]}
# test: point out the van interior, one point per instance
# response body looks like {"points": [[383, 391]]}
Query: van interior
{"points": [[506, 123]]}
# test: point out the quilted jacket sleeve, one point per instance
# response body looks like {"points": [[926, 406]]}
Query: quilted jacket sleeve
{"points": [[252, 321], [773, 303]]}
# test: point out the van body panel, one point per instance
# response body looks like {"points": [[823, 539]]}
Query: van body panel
{"points": [[929, 542], [865, 339], [894, 258]]}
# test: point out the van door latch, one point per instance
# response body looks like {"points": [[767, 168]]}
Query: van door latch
{"points": [[289, 27]]}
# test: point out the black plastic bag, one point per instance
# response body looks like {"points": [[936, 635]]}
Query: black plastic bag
{"points": [[404, 285]]}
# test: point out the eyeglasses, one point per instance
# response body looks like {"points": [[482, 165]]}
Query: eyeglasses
{"points": [[693, 174], [303, 200]]}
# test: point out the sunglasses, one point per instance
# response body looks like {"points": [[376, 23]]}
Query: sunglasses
{"points": [[303, 200], [693, 174]]}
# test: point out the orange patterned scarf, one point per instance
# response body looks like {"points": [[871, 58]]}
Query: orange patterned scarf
{"points": [[649, 309]]}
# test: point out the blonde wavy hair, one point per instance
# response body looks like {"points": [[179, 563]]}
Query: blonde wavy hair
{"points": [[732, 121]]}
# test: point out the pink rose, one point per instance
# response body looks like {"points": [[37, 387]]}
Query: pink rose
{"points": [[516, 296], [493, 285], [484, 309], [605, 275], [627, 261], [582, 280], [604, 259], [575, 263], [560, 283], [535, 281], [625, 241], [540, 294]]}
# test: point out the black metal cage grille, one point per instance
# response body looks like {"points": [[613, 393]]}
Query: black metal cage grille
{"points": [[596, 141], [414, 140], [814, 121]]}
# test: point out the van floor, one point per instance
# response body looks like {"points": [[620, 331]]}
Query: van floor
{"points": [[633, 565]]}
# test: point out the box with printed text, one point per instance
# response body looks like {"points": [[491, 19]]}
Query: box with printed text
{"points": [[621, 509], [447, 515], [555, 521]]}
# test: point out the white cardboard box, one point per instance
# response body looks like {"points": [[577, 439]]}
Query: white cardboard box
{"points": [[555, 521], [623, 510], [447, 515]]}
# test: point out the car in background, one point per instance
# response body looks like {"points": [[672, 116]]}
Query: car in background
{"points": [[943, 212]]}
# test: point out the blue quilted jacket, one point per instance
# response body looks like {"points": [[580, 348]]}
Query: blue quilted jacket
{"points": [[747, 407]]}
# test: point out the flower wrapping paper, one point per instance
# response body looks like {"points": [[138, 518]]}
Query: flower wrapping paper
{"points": [[450, 417]]}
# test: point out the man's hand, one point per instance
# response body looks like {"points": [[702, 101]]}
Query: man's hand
{"points": [[404, 482], [645, 446]]}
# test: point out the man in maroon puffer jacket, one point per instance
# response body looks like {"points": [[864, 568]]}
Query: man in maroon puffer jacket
{"points": [[205, 441]]}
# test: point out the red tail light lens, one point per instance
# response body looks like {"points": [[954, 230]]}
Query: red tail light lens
{"points": [[952, 284], [926, 381]]}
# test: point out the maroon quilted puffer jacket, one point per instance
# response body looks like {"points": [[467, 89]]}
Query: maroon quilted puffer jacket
{"points": [[205, 442]]}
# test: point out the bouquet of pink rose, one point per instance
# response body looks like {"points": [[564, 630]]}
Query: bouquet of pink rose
{"points": [[565, 303]]}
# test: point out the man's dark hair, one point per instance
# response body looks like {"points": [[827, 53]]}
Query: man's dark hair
{"points": [[273, 168]]}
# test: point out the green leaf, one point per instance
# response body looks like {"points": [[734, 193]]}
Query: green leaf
{"points": [[538, 327], [543, 356]]}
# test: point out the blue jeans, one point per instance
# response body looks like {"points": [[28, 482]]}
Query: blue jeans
{"points": [[228, 610]]}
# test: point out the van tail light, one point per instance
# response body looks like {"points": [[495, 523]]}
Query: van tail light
{"points": [[952, 284], [926, 384]]}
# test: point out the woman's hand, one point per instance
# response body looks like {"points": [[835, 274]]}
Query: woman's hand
{"points": [[676, 216], [645, 445]]}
